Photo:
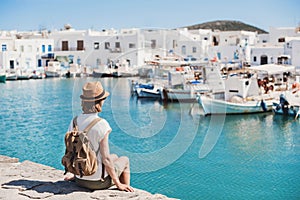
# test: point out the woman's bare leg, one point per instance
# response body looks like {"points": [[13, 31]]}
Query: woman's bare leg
{"points": [[123, 165], [114, 157]]}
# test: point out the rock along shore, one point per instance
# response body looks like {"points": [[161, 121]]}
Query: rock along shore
{"points": [[29, 180]]}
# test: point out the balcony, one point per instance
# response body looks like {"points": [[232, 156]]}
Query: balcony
{"points": [[48, 56]]}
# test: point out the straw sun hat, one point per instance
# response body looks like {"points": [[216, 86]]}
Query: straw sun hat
{"points": [[93, 91]]}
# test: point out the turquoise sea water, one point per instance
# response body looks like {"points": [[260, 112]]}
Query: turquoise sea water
{"points": [[253, 156]]}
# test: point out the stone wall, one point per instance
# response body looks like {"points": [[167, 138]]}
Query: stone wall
{"points": [[29, 180]]}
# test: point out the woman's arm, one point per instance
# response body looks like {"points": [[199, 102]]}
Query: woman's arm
{"points": [[109, 164]]}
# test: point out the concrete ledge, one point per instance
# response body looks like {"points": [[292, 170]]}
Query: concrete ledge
{"points": [[29, 180]]}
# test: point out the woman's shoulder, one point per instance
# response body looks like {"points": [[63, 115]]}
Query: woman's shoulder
{"points": [[103, 122]]}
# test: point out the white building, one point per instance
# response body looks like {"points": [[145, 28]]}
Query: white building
{"points": [[232, 46], [279, 46], [133, 47], [24, 50]]}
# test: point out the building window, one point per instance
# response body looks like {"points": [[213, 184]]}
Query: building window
{"points": [[174, 44], [153, 44], [4, 47], [219, 55], [194, 49], [11, 64], [264, 41], [215, 41], [21, 48], [96, 45], [236, 55], [98, 62], [78, 61], [254, 59], [65, 46], [29, 48], [40, 62], [281, 39], [107, 45], [43, 48], [183, 50], [80, 45], [131, 45], [263, 60], [49, 48], [117, 45]]}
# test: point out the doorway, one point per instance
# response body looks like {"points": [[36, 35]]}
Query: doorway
{"points": [[263, 60]]}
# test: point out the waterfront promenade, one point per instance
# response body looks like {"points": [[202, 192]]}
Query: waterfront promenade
{"points": [[29, 180]]}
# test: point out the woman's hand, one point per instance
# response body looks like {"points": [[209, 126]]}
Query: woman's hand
{"points": [[124, 187], [69, 177]]}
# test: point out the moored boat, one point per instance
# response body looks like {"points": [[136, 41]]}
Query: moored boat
{"points": [[240, 95], [220, 106], [2, 78], [154, 92], [288, 105], [53, 69], [11, 77]]}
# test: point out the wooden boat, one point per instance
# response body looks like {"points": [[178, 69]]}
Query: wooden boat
{"points": [[240, 95], [220, 106]]}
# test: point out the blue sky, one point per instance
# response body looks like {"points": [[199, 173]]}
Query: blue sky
{"points": [[25, 15]]}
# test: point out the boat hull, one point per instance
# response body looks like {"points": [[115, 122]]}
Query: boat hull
{"points": [[215, 106], [2, 78], [293, 111], [148, 93], [181, 95], [102, 75], [51, 74], [178, 95]]}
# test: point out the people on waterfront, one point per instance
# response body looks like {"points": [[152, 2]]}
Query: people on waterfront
{"points": [[112, 170]]}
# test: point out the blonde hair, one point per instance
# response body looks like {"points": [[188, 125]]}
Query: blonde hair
{"points": [[91, 107]]}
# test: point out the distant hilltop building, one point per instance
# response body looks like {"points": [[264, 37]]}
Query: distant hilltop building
{"points": [[136, 47]]}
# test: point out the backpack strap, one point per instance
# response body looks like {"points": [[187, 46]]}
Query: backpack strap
{"points": [[75, 122], [93, 123], [103, 171], [87, 129]]}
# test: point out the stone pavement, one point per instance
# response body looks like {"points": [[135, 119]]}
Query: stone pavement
{"points": [[29, 180]]}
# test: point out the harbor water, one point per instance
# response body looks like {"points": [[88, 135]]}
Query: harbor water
{"points": [[174, 150]]}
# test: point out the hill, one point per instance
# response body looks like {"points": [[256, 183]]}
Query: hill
{"points": [[226, 25]]}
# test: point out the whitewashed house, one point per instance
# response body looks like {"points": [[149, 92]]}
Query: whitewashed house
{"points": [[277, 47], [97, 48], [134, 47], [24, 50]]}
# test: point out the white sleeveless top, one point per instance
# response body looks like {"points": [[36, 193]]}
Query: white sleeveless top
{"points": [[95, 135]]}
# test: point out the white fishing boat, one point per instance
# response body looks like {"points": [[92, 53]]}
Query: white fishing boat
{"points": [[187, 93], [243, 92], [53, 69], [23, 74], [220, 106], [184, 83], [11, 75]]}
